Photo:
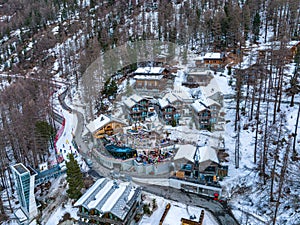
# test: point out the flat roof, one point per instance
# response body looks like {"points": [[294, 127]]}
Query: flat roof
{"points": [[21, 215], [20, 168]]}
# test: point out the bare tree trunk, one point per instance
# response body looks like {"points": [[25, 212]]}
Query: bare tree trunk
{"points": [[276, 96], [265, 148], [238, 99], [255, 142], [252, 102], [295, 135], [280, 89], [281, 181], [276, 157]]}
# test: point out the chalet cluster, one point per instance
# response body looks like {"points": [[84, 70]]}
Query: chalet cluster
{"points": [[171, 102]]}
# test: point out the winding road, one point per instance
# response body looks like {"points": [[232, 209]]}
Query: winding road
{"points": [[221, 212]]}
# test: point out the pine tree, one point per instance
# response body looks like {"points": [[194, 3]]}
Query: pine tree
{"points": [[256, 26], [74, 178]]}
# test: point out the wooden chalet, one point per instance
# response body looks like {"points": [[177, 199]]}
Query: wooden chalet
{"points": [[152, 80], [202, 115], [109, 202], [213, 59], [137, 108], [198, 77], [105, 125]]}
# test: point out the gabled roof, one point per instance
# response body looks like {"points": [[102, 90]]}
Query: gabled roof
{"points": [[198, 106], [100, 122], [211, 102], [129, 102], [163, 103], [136, 98], [110, 196], [204, 153], [186, 152], [171, 98], [182, 93], [203, 165], [211, 89], [132, 100]]}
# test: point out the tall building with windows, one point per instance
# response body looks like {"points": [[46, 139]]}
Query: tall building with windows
{"points": [[24, 184]]}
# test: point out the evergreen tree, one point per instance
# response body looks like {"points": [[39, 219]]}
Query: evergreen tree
{"points": [[74, 178], [255, 26], [113, 88], [45, 130], [246, 21]]}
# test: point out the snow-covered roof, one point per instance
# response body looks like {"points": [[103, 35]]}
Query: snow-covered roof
{"points": [[222, 84], [181, 93], [200, 72], [149, 70], [136, 98], [211, 89], [204, 153], [171, 98], [100, 122], [129, 102], [210, 102], [148, 77], [212, 55], [163, 103], [198, 106], [110, 196], [186, 152], [132, 100]]}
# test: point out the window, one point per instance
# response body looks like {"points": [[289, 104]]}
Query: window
{"points": [[135, 109], [213, 120], [177, 115]]}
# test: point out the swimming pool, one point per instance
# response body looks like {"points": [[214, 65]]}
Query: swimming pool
{"points": [[121, 152]]}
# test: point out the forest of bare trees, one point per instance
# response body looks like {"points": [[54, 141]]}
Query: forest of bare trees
{"points": [[84, 32]]}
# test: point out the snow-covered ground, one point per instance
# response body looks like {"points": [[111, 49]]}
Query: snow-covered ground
{"points": [[59, 212], [176, 212]]}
